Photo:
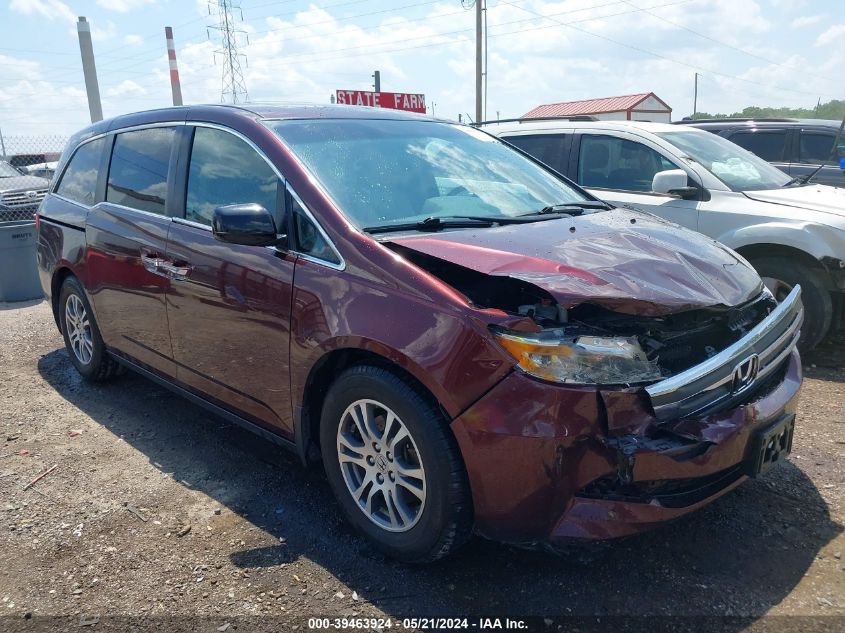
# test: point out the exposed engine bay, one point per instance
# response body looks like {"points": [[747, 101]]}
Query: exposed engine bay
{"points": [[629, 348]]}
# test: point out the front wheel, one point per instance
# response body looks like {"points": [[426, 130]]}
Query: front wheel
{"points": [[780, 276], [394, 465]]}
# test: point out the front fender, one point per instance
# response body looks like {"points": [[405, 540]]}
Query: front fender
{"points": [[815, 240]]}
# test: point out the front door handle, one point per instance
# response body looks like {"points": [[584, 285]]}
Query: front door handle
{"points": [[176, 272], [152, 263]]}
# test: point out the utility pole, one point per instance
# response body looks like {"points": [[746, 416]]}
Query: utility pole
{"points": [[695, 97], [89, 69], [2, 146], [175, 85], [377, 80], [233, 86], [478, 60]]}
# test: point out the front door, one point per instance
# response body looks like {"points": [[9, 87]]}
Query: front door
{"points": [[620, 170], [229, 305], [127, 239]]}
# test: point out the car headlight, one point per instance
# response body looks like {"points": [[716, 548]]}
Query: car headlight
{"points": [[585, 360]]}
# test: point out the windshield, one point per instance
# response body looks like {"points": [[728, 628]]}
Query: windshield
{"points": [[398, 171], [739, 169], [7, 171]]}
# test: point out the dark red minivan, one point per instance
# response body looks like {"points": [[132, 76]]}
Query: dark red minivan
{"points": [[467, 340]]}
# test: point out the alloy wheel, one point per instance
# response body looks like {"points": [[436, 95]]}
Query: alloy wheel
{"points": [[78, 329], [381, 465]]}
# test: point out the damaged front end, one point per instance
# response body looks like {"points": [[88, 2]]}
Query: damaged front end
{"points": [[633, 417]]}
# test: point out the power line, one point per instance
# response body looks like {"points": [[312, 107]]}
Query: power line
{"points": [[725, 44], [233, 85], [657, 55]]}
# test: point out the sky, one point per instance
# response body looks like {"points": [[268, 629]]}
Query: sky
{"points": [[747, 52]]}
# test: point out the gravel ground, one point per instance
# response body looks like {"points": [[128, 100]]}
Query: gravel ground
{"points": [[156, 508]]}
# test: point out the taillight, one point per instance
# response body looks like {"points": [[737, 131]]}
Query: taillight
{"points": [[37, 222]]}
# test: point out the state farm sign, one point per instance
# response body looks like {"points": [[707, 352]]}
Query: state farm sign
{"points": [[392, 100]]}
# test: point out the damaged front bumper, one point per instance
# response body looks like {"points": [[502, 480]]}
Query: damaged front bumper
{"points": [[549, 462]]}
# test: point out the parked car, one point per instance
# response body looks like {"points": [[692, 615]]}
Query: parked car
{"points": [[465, 339], [42, 170], [792, 233], [20, 194], [795, 146]]}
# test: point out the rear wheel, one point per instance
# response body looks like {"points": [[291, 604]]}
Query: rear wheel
{"points": [[82, 336], [780, 276], [394, 465]]}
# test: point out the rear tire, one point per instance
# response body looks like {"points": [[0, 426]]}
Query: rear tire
{"points": [[84, 344], [414, 503], [780, 276]]}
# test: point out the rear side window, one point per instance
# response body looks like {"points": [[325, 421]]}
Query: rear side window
{"points": [[547, 148], [79, 182], [226, 170], [138, 173], [770, 146], [816, 148]]}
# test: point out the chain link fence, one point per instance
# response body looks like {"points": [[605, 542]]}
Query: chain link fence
{"points": [[27, 164]]}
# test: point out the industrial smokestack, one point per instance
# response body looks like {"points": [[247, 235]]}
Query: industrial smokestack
{"points": [[89, 70], [175, 86]]}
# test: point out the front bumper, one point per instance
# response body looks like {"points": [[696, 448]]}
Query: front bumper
{"points": [[542, 465]]}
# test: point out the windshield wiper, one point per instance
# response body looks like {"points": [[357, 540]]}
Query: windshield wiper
{"points": [[570, 208], [435, 224], [806, 178]]}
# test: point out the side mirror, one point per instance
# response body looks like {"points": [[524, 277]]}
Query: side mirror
{"points": [[674, 183], [245, 224]]}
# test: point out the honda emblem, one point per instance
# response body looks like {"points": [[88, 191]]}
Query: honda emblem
{"points": [[745, 373]]}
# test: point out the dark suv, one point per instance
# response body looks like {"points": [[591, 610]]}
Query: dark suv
{"points": [[795, 146], [466, 339]]}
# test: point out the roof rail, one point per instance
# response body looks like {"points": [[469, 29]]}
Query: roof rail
{"points": [[576, 117], [688, 121]]}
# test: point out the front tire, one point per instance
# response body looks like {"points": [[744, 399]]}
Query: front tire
{"points": [[82, 335], [394, 465], [780, 276]]}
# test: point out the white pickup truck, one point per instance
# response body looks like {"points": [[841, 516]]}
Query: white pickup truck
{"points": [[793, 233]]}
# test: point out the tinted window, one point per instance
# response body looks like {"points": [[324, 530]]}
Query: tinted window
{"points": [[79, 182], [138, 172], [608, 162], [226, 170], [815, 148], [547, 148], [770, 146], [307, 239]]}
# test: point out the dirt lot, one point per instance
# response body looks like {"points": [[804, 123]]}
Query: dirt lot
{"points": [[106, 532]]}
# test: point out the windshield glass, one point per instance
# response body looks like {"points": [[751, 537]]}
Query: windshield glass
{"points": [[738, 168], [394, 172], [7, 171]]}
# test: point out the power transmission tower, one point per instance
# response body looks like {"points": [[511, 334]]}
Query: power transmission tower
{"points": [[233, 86]]}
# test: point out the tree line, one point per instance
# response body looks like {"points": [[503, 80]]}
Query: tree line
{"points": [[834, 109]]}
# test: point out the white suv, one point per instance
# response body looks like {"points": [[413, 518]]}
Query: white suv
{"points": [[792, 233]]}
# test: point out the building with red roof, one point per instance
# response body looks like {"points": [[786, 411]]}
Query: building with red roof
{"points": [[645, 106]]}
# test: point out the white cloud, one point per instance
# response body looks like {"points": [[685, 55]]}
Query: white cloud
{"points": [[806, 20], [133, 40], [123, 6], [126, 88], [831, 35], [50, 9]]}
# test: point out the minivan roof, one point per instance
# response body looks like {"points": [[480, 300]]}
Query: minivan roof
{"points": [[250, 111], [551, 125]]}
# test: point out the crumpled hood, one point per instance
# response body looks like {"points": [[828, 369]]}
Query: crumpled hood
{"points": [[627, 261], [821, 198]]}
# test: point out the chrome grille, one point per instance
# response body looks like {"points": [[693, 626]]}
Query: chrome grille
{"points": [[24, 198], [734, 371]]}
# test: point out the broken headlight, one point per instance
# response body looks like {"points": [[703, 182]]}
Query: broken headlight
{"points": [[585, 360]]}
